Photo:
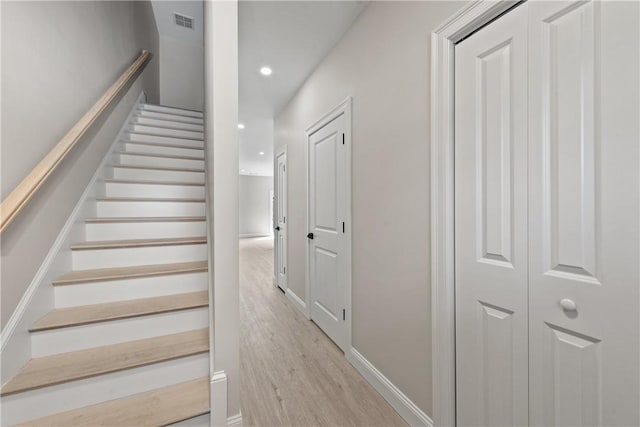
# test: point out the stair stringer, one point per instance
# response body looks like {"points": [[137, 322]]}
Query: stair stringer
{"points": [[38, 299]]}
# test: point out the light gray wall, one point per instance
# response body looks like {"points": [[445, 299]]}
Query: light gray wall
{"points": [[58, 58], [181, 74], [383, 63], [255, 204]]}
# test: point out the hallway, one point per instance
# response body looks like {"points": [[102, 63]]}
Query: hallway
{"points": [[292, 374]]}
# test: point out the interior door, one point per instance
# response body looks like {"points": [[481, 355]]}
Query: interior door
{"points": [[327, 242], [280, 230], [491, 224], [584, 213]]}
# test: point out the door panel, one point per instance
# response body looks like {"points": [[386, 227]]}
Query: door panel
{"points": [[491, 224], [327, 249], [584, 213], [280, 249]]}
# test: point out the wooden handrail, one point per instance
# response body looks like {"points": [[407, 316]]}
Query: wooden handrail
{"points": [[14, 202]]}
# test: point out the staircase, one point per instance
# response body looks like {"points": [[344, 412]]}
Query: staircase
{"points": [[127, 341]]}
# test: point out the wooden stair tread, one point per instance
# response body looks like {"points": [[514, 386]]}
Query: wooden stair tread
{"points": [[160, 135], [138, 243], [146, 199], [148, 182], [159, 407], [160, 168], [120, 273], [174, 110], [106, 220], [168, 127], [62, 368], [171, 120], [94, 313], [161, 144], [162, 156]]}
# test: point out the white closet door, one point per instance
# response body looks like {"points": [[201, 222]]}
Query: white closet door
{"points": [[491, 224], [584, 213]]}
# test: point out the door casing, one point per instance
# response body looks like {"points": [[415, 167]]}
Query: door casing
{"points": [[443, 39], [343, 108]]}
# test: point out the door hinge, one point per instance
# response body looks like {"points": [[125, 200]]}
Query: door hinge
{"points": [[343, 226], [284, 219], [284, 270], [343, 139], [344, 314]]}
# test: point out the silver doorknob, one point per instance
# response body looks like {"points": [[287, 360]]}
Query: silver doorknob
{"points": [[568, 304]]}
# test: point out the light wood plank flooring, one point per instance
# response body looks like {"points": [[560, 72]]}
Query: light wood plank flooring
{"points": [[293, 374]]}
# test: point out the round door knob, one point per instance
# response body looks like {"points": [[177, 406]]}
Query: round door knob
{"points": [[568, 304]]}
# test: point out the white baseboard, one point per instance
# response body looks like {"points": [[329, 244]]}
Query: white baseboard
{"points": [[408, 410], [247, 236], [235, 421], [15, 341], [297, 302], [218, 399]]}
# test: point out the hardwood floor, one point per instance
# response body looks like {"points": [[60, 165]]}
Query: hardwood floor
{"points": [[293, 374]]}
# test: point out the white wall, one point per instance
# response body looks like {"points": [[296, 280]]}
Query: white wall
{"points": [[58, 58], [181, 73], [255, 205], [383, 63]]}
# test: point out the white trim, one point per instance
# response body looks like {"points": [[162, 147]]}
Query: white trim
{"points": [[218, 399], [408, 410], [298, 302], [343, 108], [443, 39], [235, 420], [249, 235], [15, 342]]}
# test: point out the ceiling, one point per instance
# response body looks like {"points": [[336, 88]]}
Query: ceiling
{"points": [[291, 37], [163, 11]]}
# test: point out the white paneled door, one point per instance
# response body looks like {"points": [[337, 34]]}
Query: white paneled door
{"points": [[547, 223], [327, 239], [491, 223], [280, 229], [584, 291]]}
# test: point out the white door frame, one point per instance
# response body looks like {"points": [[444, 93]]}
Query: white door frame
{"points": [[276, 199], [465, 22], [343, 108]]}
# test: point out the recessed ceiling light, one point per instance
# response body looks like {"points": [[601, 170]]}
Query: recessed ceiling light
{"points": [[240, 125], [266, 71], [241, 170], [261, 153]]}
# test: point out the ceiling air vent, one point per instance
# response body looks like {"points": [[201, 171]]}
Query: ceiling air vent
{"points": [[183, 20]]}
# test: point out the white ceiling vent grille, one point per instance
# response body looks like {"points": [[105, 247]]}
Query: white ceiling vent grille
{"points": [[183, 20]]}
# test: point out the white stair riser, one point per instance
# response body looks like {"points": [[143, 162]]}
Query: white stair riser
{"points": [[165, 140], [127, 189], [167, 132], [76, 394], [75, 338], [148, 209], [160, 149], [127, 257], [165, 116], [145, 230], [166, 162], [201, 421], [146, 121], [128, 289], [171, 110], [157, 175]]}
